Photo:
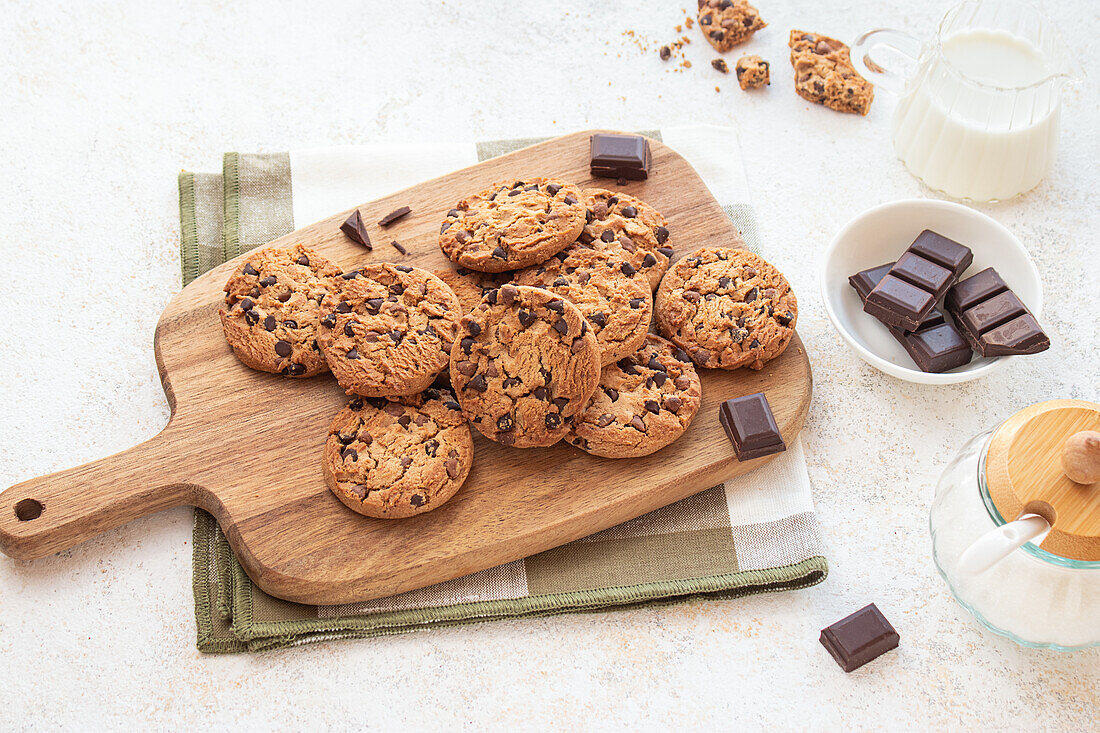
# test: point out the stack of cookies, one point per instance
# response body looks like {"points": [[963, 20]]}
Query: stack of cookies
{"points": [[541, 331]]}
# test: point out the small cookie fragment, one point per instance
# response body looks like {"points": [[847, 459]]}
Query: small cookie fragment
{"points": [[513, 224], [524, 365], [629, 229], [387, 329], [720, 65], [823, 74], [610, 293], [752, 72], [397, 458], [273, 309], [644, 402], [727, 308], [728, 23]]}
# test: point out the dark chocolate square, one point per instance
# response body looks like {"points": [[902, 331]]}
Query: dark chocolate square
{"points": [[936, 348], [857, 639], [988, 314], [975, 289], [923, 273], [1022, 335], [898, 303], [620, 154], [750, 426], [943, 251]]}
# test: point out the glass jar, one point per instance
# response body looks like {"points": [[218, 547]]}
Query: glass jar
{"points": [[1032, 596]]}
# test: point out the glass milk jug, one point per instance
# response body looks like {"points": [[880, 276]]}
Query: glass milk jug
{"points": [[1016, 526], [977, 116]]}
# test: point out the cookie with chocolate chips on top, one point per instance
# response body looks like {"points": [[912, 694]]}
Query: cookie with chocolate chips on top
{"points": [[470, 285], [628, 228], [525, 363], [609, 293], [387, 329], [727, 308], [644, 402], [728, 23], [396, 458], [512, 225], [273, 308]]}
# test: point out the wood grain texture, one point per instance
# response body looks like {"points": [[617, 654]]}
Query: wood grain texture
{"points": [[246, 446], [1024, 475]]}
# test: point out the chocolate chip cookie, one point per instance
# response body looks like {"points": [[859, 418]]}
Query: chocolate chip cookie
{"points": [[613, 296], [823, 73], [512, 225], [727, 308], [396, 458], [728, 23], [387, 329], [629, 228], [272, 309], [524, 365], [644, 402], [470, 285]]}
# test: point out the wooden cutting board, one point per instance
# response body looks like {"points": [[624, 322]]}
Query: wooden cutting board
{"points": [[246, 446]]}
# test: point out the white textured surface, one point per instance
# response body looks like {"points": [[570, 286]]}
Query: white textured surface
{"points": [[104, 102]]}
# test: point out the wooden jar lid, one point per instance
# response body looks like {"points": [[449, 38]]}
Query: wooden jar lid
{"points": [[1025, 471]]}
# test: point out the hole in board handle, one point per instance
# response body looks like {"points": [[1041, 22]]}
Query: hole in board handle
{"points": [[28, 509]]}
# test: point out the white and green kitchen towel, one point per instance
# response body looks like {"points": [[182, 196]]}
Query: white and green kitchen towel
{"points": [[755, 534]]}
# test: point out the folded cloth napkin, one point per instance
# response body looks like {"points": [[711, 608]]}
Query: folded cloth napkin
{"points": [[755, 534]]}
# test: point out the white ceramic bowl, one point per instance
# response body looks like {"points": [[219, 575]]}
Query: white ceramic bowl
{"points": [[880, 235]]}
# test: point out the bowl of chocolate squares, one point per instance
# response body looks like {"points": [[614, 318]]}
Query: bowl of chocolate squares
{"points": [[933, 291]]}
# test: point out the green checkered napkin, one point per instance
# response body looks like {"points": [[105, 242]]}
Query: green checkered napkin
{"points": [[755, 534]]}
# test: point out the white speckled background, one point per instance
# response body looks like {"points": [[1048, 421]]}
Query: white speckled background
{"points": [[102, 103]]}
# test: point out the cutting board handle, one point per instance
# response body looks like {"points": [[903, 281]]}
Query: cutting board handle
{"points": [[55, 512]]}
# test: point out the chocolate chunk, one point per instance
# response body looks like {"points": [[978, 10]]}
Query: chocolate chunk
{"points": [[935, 348], [295, 370], [607, 236], [452, 468], [473, 328], [500, 253], [561, 326], [247, 304], [269, 323], [943, 251], [629, 212], [598, 318], [864, 282], [558, 306], [353, 353], [467, 345], [355, 230], [283, 348], [539, 393], [652, 406], [526, 318], [637, 423], [672, 403], [612, 394], [560, 402], [993, 319], [605, 420], [552, 420], [898, 303], [750, 426], [397, 245], [505, 423], [289, 323], [720, 65], [393, 216], [622, 155], [478, 383], [303, 260], [553, 189], [251, 317], [857, 639], [349, 454], [627, 269], [750, 296], [249, 269]]}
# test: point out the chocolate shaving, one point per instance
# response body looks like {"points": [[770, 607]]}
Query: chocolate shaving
{"points": [[397, 245], [394, 215]]}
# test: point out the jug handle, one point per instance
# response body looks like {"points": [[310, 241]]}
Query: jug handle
{"points": [[903, 44], [997, 544]]}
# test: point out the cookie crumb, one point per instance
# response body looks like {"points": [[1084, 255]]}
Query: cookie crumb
{"points": [[686, 64], [666, 53], [717, 88], [720, 65]]}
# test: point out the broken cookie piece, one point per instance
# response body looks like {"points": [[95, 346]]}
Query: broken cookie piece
{"points": [[823, 74], [752, 72], [728, 23]]}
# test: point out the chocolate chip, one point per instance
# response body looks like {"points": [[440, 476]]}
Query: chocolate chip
{"points": [[404, 421], [552, 189], [539, 393], [605, 420], [558, 306], [268, 281], [706, 20], [467, 345], [526, 318], [755, 343], [649, 260], [637, 423], [356, 404], [659, 378], [254, 293], [560, 282], [289, 323], [452, 468], [478, 383], [627, 268], [473, 328], [560, 402], [247, 304], [785, 319], [295, 370], [445, 227], [416, 500], [452, 405], [662, 236], [349, 454], [569, 200], [673, 403], [505, 423], [612, 394], [552, 420], [561, 326], [692, 297], [348, 330], [500, 253], [751, 295], [627, 365], [353, 353], [598, 318], [251, 317], [628, 244], [652, 406], [249, 269], [629, 212], [343, 307], [303, 260], [511, 382], [655, 364], [607, 236], [466, 368], [702, 356], [636, 303], [393, 216], [283, 348], [665, 53], [269, 323], [396, 336]]}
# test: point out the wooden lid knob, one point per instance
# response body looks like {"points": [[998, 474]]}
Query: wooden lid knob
{"points": [[1045, 460], [1081, 457]]}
